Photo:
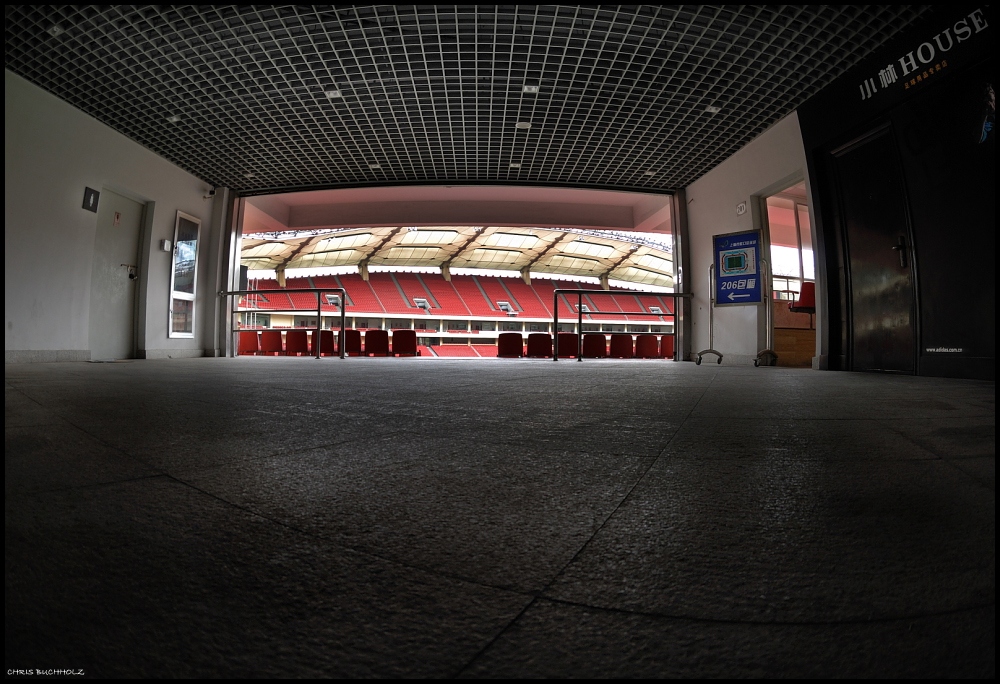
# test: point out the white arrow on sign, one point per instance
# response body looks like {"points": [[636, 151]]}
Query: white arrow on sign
{"points": [[733, 295]]}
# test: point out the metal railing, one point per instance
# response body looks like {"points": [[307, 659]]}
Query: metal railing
{"points": [[319, 292], [579, 314]]}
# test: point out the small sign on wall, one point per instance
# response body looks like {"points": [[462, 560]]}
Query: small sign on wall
{"points": [[91, 198], [741, 208]]}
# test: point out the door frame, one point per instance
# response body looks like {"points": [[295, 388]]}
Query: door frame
{"points": [[871, 132], [138, 314]]}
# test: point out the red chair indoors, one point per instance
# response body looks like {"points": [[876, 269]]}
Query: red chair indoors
{"points": [[806, 303], [249, 342], [667, 347], [568, 345], [352, 342], [510, 345], [270, 342], [539, 345], [647, 347], [404, 342], [621, 346], [595, 346], [327, 343], [377, 343], [297, 342]]}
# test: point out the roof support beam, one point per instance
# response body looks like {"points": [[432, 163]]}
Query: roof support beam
{"points": [[625, 257], [304, 246], [446, 266], [526, 270], [363, 264]]}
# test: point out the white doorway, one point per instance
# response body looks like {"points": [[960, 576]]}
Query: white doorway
{"points": [[793, 276], [115, 277]]}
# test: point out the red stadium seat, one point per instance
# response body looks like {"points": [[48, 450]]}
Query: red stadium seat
{"points": [[486, 351], [327, 343], [647, 347], [249, 342], [404, 342], [667, 347], [806, 303], [352, 342], [539, 345], [568, 343], [270, 342], [510, 345], [621, 346], [377, 343], [595, 346], [297, 341]]}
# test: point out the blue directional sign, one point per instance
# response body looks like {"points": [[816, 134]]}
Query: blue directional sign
{"points": [[737, 269]]}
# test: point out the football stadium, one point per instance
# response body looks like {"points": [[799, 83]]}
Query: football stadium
{"points": [[500, 341]]}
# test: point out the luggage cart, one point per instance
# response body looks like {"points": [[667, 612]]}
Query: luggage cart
{"points": [[711, 320], [767, 356]]}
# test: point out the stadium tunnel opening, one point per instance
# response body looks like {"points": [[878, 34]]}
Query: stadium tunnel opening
{"points": [[459, 266]]}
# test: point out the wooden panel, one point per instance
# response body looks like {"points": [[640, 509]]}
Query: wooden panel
{"points": [[783, 318], [795, 347]]}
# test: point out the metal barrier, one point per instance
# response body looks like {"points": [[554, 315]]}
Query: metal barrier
{"points": [[319, 292], [579, 312]]}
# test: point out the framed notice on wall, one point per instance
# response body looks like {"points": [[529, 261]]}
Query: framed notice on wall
{"points": [[738, 276]]}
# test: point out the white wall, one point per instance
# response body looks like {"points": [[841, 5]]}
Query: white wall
{"points": [[772, 162], [52, 152]]}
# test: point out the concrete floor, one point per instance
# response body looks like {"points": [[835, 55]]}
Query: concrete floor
{"points": [[496, 518]]}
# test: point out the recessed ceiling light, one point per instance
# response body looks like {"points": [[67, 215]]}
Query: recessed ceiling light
{"points": [[249, 174], [332, 94], [55, 30], [523, 125], [649, 173], [174, 118], [374, 166], [531, 89], [515, 165], [712, 109]]}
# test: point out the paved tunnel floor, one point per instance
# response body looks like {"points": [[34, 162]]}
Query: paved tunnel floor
{"points": [[522, 518]]}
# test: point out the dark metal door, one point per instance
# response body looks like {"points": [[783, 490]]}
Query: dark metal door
{"points": [[879, 255]]}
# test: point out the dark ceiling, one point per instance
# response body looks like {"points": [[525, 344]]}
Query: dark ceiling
{"points": [[270, 98]]}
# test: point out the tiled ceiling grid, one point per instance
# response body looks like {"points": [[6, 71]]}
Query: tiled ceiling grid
{"points": [[270, 98]]}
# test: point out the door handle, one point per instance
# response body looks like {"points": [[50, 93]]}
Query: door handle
{"points": [[901, 248]]}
